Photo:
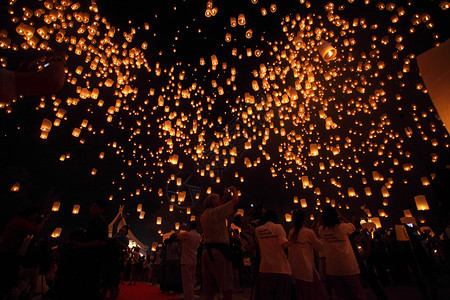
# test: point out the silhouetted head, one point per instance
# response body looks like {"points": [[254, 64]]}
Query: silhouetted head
{"points": [[330, 216]]}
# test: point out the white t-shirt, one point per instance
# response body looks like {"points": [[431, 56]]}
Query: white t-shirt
{"points": [[273, 258], [191, 240], [214, 223], [301, 253], [340, 258]]}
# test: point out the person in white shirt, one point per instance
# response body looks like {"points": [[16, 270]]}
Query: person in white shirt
{"points": [[191, 240], [341, 265], [274, 271], [308, 285], [217, 270]]}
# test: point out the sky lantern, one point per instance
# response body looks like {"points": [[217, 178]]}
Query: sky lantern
{"points": [[421, 202], [56, 232], [241, 19], [288, 218], [303, 203], [158, 221], [56, 206], [15, 187], [407, 213], [142, 215], [76, 209], [46, 125], [154, 246], [376, 221], [326, 51]]}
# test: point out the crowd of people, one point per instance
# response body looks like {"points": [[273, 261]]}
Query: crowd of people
{"points": [[328, 258]]}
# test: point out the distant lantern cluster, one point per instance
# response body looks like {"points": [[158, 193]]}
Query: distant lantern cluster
{"points": [[320, 105]]}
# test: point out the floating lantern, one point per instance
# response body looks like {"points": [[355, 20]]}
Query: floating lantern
{"points": [[46, 125], [76, 209], [57, 232], [158, 221], [288, 217], [421, 202], [351, 192], [56, 206], [76, 132], [425, 181], [154, 246], [303, 203], [376, 221], [408, 220], [141, 215], [326, 51], [139, 208], [241, 19], [15, 187], [314, 150]]}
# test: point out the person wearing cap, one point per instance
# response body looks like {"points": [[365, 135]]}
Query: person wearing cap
{"points": [[217, 270]]}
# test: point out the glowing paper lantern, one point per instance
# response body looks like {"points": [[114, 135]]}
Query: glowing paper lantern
{"points": [[139, 208], [408, 220], [154, 246], [421, 202], [326, 51], [141, 215], [56, 206], [158, 221], [305, 182], [351, 192], [425, 181], [288, 217], [76, 132], [15, 187], [241, 19], [57, 232], [76, 209], [376, 221], [314, 150], [303, 203], [46, 125]]}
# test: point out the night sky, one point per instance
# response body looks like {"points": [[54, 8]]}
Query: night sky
{"points": [[187, 82]]}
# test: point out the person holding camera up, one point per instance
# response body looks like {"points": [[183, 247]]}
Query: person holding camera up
{"points": [[217, 270]]}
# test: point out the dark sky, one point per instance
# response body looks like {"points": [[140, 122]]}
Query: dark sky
{"points": [[371, 133]]}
